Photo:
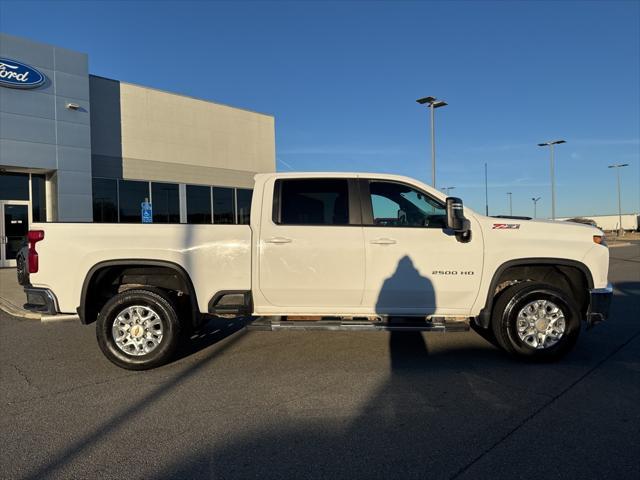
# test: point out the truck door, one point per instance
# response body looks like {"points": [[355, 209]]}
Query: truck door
{"points": [[413, 265], [311, 250]]}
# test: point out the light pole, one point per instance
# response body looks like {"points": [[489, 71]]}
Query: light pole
{"points": [[553, 174], [510, 203], [535, 203], [433, 104], [486, 191], [618, 166], [446, 190]]}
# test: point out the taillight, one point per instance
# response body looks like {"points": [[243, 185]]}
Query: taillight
{"points": [[33, 237]]}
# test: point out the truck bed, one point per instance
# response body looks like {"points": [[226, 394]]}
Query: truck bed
{"points": [[216, 257]]}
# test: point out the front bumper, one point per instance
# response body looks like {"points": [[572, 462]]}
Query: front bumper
{"points": [[41, 300], [599, 303]]}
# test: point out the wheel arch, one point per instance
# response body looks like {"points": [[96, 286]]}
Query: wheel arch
{"points": [[88, 314], [484, 317]]}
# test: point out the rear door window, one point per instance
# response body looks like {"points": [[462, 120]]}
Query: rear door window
{"points": [[312, 202]]}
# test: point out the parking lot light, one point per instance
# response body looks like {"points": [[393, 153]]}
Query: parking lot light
{"points": [[433, 103], [618, 166], [535, 203], [551, 144]]}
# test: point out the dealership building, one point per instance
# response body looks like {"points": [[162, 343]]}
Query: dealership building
{"points": [[76, 147]]}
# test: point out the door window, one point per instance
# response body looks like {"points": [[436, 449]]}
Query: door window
{"points": [[313, 202], [399, 205]]}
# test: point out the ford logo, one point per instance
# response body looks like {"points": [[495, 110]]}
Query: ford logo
{"points": [[18, 75]]}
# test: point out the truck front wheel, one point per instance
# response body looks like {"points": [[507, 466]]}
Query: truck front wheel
{"points": [[535, 321], [138, 329]]}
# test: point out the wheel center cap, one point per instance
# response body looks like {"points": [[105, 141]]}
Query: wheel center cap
{"points": [[542, 324], [137, 331]]}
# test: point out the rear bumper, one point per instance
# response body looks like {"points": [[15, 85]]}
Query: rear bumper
{"points": [[599, 303], [41, 300]]}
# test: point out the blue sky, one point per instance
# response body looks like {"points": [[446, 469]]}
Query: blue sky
{"points": [[342, 78]]}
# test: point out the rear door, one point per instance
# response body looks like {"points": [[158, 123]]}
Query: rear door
{"points": [[311, 250]]}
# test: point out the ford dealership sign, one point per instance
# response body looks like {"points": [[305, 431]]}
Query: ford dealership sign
{"points": [[18, 75]]}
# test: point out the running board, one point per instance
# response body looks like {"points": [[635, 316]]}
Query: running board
{"points": [[407, 325]]}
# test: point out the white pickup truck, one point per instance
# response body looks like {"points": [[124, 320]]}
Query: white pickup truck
{"points": [[326, 250]]}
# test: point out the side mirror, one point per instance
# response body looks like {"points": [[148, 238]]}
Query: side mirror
{"points": [[456, 220]]}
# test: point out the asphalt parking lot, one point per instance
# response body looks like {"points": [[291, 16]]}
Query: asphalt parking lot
{"points": [[241, 404]]}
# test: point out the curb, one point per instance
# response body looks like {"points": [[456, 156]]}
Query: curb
{"points": [[8, 307], [619, 245], [11, 309]]}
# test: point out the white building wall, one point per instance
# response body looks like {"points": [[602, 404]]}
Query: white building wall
{"points": [[611, 222]]}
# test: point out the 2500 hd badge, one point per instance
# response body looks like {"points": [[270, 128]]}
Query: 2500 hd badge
{"points": [[453, 272]]}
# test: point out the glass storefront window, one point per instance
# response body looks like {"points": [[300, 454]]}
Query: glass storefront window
{"points": [[244, 205], [38, 198], [14, 186], [198, 204], [165, 200], [223, 205], [105, 200], [132, 194], [120, 201]]}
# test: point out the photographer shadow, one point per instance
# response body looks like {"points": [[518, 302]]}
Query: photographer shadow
{"points": [[394, 424]]}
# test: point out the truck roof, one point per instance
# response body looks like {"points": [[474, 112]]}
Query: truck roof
{"points": [[261, 178], [390, 176]]}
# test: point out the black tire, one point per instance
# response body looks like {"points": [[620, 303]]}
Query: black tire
{"points": [[22, 271], [505, 315], [487, 333], [166, 313]]}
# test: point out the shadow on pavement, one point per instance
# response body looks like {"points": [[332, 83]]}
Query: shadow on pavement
{"points": [[392, 436], [409, 428], [398, 434], [211, 334], [629, 289]]}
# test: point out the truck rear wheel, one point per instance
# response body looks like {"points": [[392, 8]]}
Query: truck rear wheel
{"points": [[535, 321], [138, 329]]}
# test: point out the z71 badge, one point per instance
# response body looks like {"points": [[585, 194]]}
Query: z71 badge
{"points": [[506, 226]]}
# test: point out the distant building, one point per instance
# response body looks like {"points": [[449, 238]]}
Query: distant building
{"points": [[611, 222], [78, 147]]}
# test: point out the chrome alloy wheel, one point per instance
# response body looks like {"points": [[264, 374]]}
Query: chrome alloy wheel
{"points": [[540, 324], [137, 330]]}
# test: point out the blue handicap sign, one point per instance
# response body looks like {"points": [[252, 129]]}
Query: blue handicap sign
{"points": [[147, 212]]}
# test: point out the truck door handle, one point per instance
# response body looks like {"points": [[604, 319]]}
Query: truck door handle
{"points": [[383, 241], [279, 240]]}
